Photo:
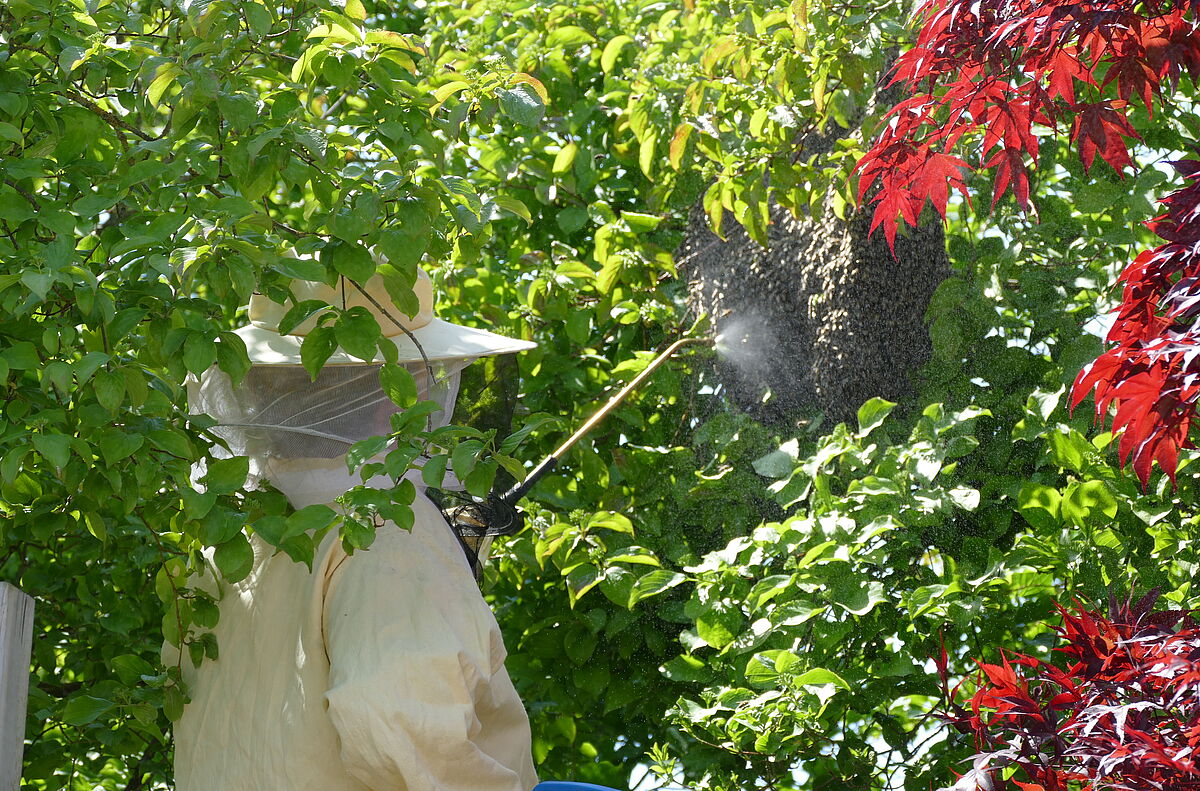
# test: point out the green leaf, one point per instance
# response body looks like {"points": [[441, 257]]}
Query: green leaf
{"points": [[569, 36], [414, 418], [196, 504], [510, 465], [818, 676], [351, 260], [304, 64], [634, 554], [580, 580], [299, 313], [282, 531], [608, 520], [639, 222], [220, 525], [349, 226], [301, 549], [617, 585], [123, 322], [226, 476], [11, 133], [522, 104], [406, 239], [719, 624], [234, 558], [516, 207], [10, 466], [1085, 501], [480, 480], [316, 348], [857, 598], [647, 153], [96, 525], [434, 471], [765, 668], [565, 158], [55, 448], [964, 497], [39, 283], [116, 445], [110, 389], [259, 19], [465, 456], [21, 356], [444, 92], [205, 613], [365, 449], [654, 583], [310, 519], [163, 79], [199, 353], [232, 357], [872, 414], [571, 219], [83, 709], [779, 463], [271, 528], [130, 668], [314, 140], [612, 51], [300, 268], [610, 273], [678, 145], [358, 333], [399, 385], [686, 669], [173, 702], [89, 364], [1070, 449], [57, 373]]}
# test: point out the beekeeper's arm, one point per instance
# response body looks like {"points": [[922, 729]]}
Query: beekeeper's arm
{"points": [[417, 688]]}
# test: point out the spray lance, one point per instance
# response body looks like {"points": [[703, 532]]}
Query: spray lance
{"points": [[476, 522]]}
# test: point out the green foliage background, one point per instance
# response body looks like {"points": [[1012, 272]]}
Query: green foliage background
{"points": [[699, 599]]}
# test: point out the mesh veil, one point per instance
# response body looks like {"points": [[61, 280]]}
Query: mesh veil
{"points": [[278, 412]]}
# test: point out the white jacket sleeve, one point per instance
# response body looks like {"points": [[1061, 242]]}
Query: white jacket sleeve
{"points": [[417, 687]]}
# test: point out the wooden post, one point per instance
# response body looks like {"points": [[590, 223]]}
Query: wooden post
{"points": [[16, 641]]}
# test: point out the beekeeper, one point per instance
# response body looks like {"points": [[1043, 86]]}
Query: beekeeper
{"points": [[378, 670]]}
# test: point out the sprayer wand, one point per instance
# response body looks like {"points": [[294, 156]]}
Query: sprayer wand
{"points": [[513, 495], [498, 515]]}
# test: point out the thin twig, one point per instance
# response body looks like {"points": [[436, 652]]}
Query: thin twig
{"points": [[26, 194], [281, 226], [405, 330], [113, 119], [289, 229], [137, 774]]}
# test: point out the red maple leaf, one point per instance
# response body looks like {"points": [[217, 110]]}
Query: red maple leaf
{"points": [[995, 74], [1126, 717]]}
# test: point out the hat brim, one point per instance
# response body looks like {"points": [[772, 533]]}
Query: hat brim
{"points": [[440, 340]]}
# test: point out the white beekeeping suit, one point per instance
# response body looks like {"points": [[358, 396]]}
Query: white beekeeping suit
{"points": [[378, 670]]}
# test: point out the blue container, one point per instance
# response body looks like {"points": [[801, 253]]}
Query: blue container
{"points": [[561, 785]]}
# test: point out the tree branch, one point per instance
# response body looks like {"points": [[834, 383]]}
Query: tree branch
{"points": [[112, 119], [26, 194], [136, 774]]}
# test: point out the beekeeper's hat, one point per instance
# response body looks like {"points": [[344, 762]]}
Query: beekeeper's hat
{"points": [[439, 340]]}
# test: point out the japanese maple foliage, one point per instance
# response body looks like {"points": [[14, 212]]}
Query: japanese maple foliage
{"points": [[1123, 714], [984, 78], [1152, 374]]}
